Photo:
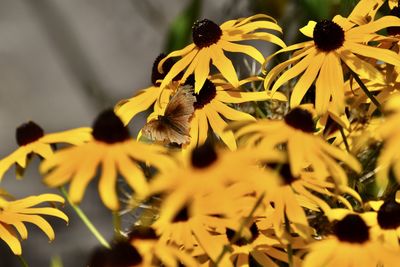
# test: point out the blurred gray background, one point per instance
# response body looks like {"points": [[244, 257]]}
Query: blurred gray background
{"points": [[63, 61]]}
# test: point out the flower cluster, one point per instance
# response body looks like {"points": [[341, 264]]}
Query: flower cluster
{"points": [[295, 165]]}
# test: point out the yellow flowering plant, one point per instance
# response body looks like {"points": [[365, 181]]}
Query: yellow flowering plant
{"points": [[294, 164]]}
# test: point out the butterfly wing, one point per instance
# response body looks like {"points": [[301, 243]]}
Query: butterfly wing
{"points": [[174, 126]]}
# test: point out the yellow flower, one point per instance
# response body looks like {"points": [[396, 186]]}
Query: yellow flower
{"points": [[13, 215], [114, 150], [212, 109], [304, 148], [32, 140], [387, 226], [351, 245], [154, 252], [126, 109], [209, 43], [334, 42]]}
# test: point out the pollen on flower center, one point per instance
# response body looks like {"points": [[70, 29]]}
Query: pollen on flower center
{"points": [[109, 128], [352, 229], [389, 215], [328, 35], [205, 33], [300, 119], [28, 133], [203, 156], [241, 241], [206, 94]]}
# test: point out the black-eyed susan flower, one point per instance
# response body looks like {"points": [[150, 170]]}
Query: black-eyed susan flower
{"points": [[387, 226], [154, 252], [14, 214], [201, 196], [350, 245], [209, 43], [261, 248], [113, 150], [334, 42], [33, 141], [296, 133], [212, 109], [126, 109]]}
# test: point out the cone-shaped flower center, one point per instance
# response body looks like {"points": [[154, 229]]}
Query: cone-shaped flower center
{"points": [[142, 232], [206, 94], [182, 215], [28, 133], [203, 156], [328, 35], [286, 174], [166, 67], [389, 215], [120, 254], [394, 30], [241, 241], [352, 229], [300, 119], [205, 33], [109, 128]]}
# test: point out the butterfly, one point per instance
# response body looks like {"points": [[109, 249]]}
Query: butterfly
{"points": [[174, 125]]}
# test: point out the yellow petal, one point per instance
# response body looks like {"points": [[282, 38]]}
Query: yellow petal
{"points": [[107, 183], [308, 30], [11, 240], [240, 48], [224, 65]]}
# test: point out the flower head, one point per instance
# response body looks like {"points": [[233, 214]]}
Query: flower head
{"points": [[209, 43], [113, 150], [32, 140], [334, 42]]}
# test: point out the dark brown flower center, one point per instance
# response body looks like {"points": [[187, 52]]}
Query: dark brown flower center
{"points": [[286, 174], [389, 215], [351, 229], [394, 30], [328, 35], [28, 133], [241, 241], [203, 156], [206, 94], [142, 232], [300, 119], [121, 254], [205, 33], [166, 67], [182, 215], [109, 128]]}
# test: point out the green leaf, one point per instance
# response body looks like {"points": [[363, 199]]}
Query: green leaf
{"points": [[180, 31]]}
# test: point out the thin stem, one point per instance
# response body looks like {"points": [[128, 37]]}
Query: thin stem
{"points": [[346, 144], [366, 91], [85, 219], [117, 225], [23, 261], [239, 232], [289, 246]]}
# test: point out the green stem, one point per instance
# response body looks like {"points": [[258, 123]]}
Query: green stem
{"points": [[346, 144], [117, 225], [23, 261], [239, 232], [289, 246], [366, 91], [85, 219]]}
